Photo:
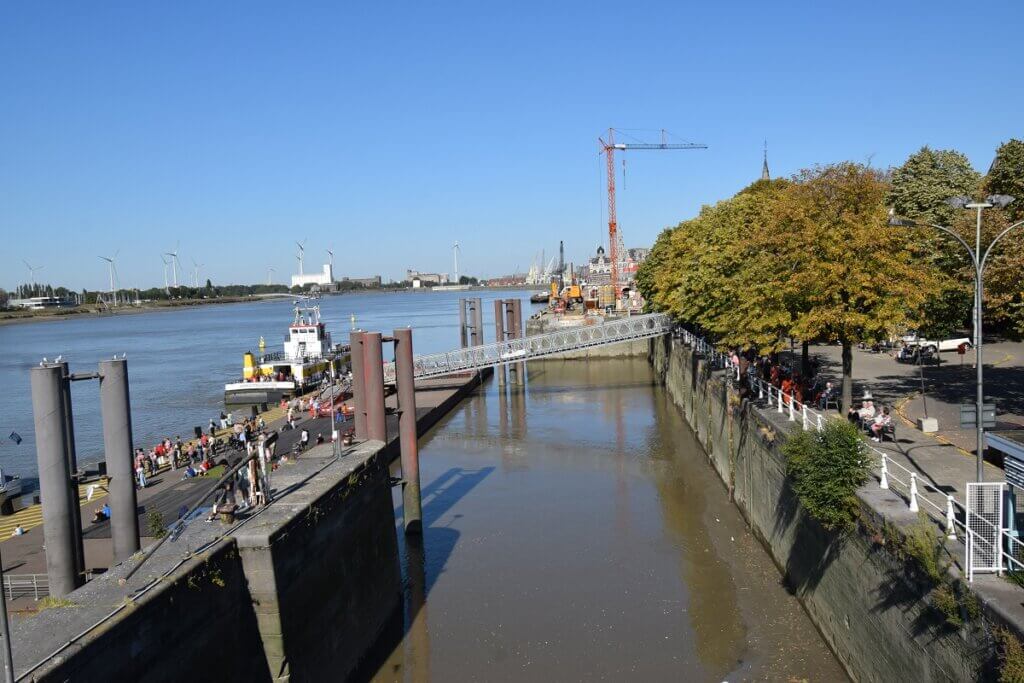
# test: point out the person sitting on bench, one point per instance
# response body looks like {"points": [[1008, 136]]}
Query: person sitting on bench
{"points": [[881, 422]]}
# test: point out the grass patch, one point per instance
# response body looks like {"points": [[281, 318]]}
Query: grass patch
{"points": [[155, 524], [826, 468], [49, 602]]}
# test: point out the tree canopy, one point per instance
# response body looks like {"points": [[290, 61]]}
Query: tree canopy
{"points": [[812, 258], [1006, 176]]}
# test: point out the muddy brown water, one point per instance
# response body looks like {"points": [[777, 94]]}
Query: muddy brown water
{"points": [[575, 531]]}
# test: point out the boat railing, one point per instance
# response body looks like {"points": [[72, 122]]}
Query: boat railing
{"points": [[280, 357]]}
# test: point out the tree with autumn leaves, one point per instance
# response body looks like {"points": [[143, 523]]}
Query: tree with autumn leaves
{"points": [[813, 257]]}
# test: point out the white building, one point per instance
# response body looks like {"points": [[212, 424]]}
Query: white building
{"points": [[323, 279]]}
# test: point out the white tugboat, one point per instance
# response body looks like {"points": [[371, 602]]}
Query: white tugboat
{"points": [[302, 365]]}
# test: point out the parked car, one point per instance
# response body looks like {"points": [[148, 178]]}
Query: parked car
{"points": [[942, 345]]}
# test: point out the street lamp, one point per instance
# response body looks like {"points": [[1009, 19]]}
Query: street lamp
{"points": [[978, 260]]}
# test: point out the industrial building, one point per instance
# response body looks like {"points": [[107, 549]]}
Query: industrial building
{"points": [[325, 279]]}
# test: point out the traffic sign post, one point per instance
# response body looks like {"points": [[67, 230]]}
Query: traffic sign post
{"points": [[969, 416]]}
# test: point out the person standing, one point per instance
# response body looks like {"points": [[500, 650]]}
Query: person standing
{"points": [[304, 438]]}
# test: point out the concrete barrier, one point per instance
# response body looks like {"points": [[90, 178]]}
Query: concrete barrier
{"points": [[874, 612]]}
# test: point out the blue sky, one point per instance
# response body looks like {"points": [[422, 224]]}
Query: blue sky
{"points": [[390, 130]]}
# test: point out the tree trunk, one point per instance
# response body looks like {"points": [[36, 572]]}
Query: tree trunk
{"points": [[847, 375], [805, 360]]}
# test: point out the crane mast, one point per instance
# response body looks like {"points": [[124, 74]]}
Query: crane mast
{"points": [[608, 148]]}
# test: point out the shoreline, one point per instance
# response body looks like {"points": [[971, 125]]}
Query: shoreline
{"points": [[83, 312]]}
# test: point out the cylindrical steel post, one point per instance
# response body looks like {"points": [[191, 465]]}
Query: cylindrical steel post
{"points": [[358, 384], [51, 441], [115, 402], [478, 322], [69, 434], [510, 333], [407, 432], [373, 372], [499, 336], [517, 315], [462, 323]]}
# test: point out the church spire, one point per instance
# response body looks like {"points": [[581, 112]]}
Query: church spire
{"points": [[764, 166]]}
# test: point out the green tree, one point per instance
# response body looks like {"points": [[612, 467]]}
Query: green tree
{"points": [[859, 280], [920, 187], [1006, 176], [919, 190]]}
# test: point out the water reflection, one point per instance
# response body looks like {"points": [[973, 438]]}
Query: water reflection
{"points": [[597, 543]]}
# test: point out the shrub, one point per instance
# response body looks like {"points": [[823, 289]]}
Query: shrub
{"points": [[155, 524], [945, 601], [1011, 657], [922, 543], [826, 468]]}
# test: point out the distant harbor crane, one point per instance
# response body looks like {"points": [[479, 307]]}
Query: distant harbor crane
{"points": [[608, 147]]}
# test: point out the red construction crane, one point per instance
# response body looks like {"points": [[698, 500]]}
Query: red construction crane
{"points": [[608, 149]]}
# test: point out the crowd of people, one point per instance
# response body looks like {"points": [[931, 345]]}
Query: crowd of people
{"points": [[748, 364]]}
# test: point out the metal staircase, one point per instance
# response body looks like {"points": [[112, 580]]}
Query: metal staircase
{"points": [[536, 346]]}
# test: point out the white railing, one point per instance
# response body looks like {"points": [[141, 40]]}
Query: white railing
{"points": [[948, 512], [536, 346], [21, 585]]}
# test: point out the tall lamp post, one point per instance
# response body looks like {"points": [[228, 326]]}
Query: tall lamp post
{"points": [[978, 260]]}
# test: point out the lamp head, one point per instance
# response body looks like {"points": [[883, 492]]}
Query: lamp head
{"points": [[1000, 200], [897, 222], [959, 202]]}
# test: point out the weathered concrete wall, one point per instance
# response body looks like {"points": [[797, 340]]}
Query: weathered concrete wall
{"points": [[300, 592], [873, 612], [323, 574], [199, 618]]}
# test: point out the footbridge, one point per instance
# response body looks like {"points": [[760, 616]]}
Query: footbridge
{"points": [[537, 346]]}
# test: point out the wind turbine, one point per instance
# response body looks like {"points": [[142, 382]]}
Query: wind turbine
{"points": [[195, 272], [112, 268], [174, 262], [270, 270], [455, 253], [302, 251], [32, 273], [167, 289]]}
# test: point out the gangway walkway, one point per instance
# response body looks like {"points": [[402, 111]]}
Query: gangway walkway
{"points": [[536, 346]]}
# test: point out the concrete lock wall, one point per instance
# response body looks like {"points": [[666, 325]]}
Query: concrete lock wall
{"points": [[872, 612], [323, 575], [299, 593], [198, 619]]}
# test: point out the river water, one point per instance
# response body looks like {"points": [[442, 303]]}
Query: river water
{"points": [[576, 532], [180, 359]]}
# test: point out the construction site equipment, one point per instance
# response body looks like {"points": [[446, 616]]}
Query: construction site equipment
{"points": [[610, 331], [608, 147]]}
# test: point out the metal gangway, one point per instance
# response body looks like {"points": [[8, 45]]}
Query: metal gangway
{"points": [[553, 343]]}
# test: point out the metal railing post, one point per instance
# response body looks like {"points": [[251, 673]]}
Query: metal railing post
{"points": [[780, 400], [913, 492], [950, 519], [883, 483], [791, 401], [803, 410], [820, 425]]}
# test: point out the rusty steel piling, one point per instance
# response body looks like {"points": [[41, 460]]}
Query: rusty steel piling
{"points": [[411, 506]]}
